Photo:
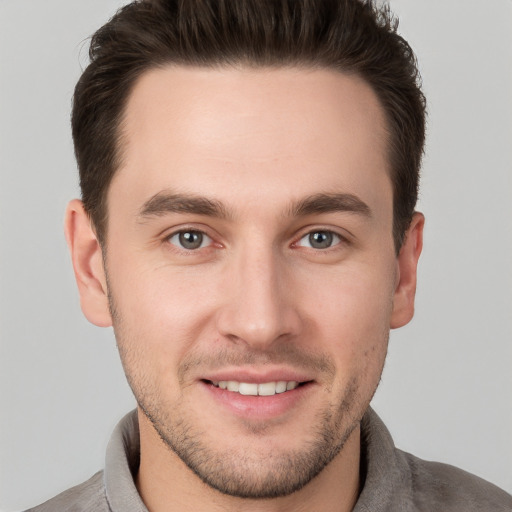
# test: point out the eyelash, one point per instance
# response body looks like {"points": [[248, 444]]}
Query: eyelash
{"points": [[181, 232], [336, 239]]}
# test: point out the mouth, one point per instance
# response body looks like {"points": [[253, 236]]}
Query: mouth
{"points": [[260, 398], [257, 389]]}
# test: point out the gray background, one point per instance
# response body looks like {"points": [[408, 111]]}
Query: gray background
{"points": [[447, 387]]}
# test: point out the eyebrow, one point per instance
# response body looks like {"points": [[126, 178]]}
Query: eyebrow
{"points": [[164, 202], [327, 203]]}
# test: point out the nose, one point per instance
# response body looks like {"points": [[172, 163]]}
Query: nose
{"points": [[259, 308]]}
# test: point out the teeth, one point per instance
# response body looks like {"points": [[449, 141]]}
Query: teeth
{"points": [[232, 386], [267, 389], [252, 389], [281, 386], [248, 389]]}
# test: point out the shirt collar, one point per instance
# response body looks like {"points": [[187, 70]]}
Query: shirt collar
{"points": [[385, 478], [121, 465], [382, 472]]}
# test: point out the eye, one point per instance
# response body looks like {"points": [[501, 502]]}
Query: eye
{"points": [[319, 240], [190, 239]]}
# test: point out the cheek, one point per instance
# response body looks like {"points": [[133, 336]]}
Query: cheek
{"points": [[160, 307], [351, 313]]}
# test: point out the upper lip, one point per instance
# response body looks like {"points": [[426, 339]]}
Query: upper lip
{"points": [[255, 376]]}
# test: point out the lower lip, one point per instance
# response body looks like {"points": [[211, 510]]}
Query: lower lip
{"points": [[259, 407]]}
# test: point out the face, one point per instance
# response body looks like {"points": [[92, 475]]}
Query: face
{"points": [[250, 268]]}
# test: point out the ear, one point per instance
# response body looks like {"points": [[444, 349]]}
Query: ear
{"points": [[405, 291], [88, 265]]}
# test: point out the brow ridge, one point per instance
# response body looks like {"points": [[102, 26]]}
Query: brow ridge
{"points": [[163, 203], [330, 202]]}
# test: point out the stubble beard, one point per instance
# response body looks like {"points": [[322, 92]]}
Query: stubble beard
{"points": [[241, 473]]}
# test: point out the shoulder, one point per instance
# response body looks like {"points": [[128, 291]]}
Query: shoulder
{"points": [[398, 481], [87, 497], [437, 486]]}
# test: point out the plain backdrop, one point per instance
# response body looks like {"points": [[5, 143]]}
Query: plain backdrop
{"points": [[447, 387]]}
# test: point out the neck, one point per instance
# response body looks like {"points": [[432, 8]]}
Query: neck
{"points": [[166, 484]]}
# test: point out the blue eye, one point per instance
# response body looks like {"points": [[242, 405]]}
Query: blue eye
{"points": [[320, 240], [190, 239]]}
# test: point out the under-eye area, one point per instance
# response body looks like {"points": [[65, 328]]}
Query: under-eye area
{"points": [[257, 389]]}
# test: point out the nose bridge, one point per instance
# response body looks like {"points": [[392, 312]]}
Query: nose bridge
{"points": [[258, 310]]}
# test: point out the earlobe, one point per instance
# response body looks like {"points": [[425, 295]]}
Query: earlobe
{"points": [[88, 265], [405, 291]]}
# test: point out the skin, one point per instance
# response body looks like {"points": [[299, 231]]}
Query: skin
{"points": [[256, 300]]}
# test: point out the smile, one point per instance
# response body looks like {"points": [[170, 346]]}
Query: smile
{"points": [[253, 389]]}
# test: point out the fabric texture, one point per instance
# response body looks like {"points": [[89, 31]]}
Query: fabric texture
{"points": [[395, 481]]}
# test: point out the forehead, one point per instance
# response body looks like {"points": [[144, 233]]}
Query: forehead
{"points": [[274, 131]]}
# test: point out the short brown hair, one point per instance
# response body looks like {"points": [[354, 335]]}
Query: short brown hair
{"points": [[353, 36]]}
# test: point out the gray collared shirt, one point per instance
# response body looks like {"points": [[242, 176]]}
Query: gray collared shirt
{"points": [[395, 481]]}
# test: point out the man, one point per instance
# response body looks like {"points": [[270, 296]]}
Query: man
{"points": [[249, 174]]}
